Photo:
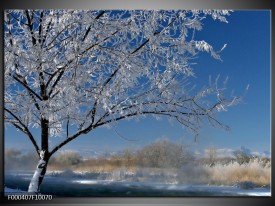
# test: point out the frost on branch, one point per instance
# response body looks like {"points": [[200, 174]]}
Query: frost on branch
{"points": [[70, 71]]}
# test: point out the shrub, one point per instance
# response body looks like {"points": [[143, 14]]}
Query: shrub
{"points": [[163, 154], [235, 173]]}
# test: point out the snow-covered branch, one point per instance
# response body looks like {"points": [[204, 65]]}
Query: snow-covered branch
{"points": [[75, 70], [23, 128]]}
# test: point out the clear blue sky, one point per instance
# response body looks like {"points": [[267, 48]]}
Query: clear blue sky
{"points": [[246, 60]]}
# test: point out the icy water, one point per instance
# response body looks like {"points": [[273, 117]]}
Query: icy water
{"points": [[91, 187]]}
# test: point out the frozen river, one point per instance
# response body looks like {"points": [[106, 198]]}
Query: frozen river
{"points": [[92, 187]]}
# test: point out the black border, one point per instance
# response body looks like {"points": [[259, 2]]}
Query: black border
{"points": [[136, 4]]}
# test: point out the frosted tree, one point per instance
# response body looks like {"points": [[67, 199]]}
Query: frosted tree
{"points": [[68, 72]]}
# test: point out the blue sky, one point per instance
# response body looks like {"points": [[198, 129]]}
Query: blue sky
{"points": [[246, 60]]}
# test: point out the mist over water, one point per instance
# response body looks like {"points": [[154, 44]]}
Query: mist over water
{"points": [[159, 169]]}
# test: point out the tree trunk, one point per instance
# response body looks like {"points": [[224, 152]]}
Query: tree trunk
{"points": [[44, 158], [38, 174]]}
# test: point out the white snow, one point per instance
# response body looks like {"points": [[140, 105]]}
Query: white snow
{"points": [[91, 182]]}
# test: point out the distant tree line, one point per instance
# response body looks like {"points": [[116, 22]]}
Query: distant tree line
{"points": [[159, 154]]}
